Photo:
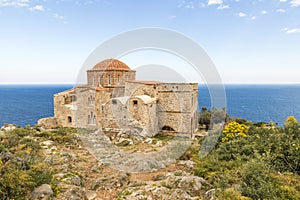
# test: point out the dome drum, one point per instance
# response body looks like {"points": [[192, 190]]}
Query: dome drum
{"points": [[110, 73]]}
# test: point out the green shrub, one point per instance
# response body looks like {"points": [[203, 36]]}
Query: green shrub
{"points": [[257, 182], [231, 194], [21, 164]]}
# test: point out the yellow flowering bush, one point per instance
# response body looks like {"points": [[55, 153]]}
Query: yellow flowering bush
{"points": [[290, 121], [233, 130]]}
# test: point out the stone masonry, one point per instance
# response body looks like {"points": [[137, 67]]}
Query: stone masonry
{"points": [[113, 98]]}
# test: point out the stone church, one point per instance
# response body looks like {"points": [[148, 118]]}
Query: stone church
{"points": [[114, 99]]}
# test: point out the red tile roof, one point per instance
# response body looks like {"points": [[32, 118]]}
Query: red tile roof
{"points": [[111, 64]]}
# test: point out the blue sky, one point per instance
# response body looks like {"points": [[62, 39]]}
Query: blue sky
{"points": [[47, 41]]}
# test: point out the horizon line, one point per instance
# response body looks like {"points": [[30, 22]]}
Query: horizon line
{"points": [[72, 83]]}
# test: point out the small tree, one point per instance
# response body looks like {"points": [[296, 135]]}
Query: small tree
{"points": [[291, 125], [204, 117], [290, 121]]}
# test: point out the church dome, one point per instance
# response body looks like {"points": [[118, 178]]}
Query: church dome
{"points": [[111, 65]]}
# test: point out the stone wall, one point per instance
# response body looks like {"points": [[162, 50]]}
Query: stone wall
{"points": [[108, 117], [142, 109], [117, 91], [64, 109], [109, 78], [178, 105], [48, 123], [85, 115], [140, 88], [130, 113], [145, 107]]}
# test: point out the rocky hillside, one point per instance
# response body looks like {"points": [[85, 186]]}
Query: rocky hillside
{"points": [[76, 174], [246, 161]]}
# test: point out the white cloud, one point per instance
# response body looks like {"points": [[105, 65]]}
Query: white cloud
{"points": [[61, 18], [253, 18], [292, 30], [171, 17], [264, 12], [190, 5], [212, 2], [222, 7], [16, 3], [201, 5], [280, 10], [186, 4], [241, 14], [57, 16], [282, 0], [37, 8], [295, 3]]}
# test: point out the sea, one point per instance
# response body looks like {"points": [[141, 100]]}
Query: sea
{"points": [[25, 104]]}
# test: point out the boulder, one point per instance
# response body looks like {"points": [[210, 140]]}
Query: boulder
{"points": [[74, 180], [42, 192], [72, 193], [46, 143], [159, 144], [210, 194], [189, 183], [188, 163], [154, 192], [8, 127], [180, 194], [90, 195], [108, 183], [48, 123]]}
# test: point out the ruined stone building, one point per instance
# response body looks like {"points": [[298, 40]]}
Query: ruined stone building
{"points": [[113, 98]]}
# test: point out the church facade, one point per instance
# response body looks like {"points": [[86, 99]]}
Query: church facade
{"points": [[114, 99]]}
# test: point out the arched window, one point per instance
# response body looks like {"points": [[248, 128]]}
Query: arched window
{"points": [[92, 119], [109, 79], [91, 100]]}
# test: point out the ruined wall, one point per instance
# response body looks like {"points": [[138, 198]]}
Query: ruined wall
{"points": [[147, 107], [178, 105], [136, 88], [64, 108], [113, 114], [142, 109], [117, 91], [130, 113], [48, 123]]}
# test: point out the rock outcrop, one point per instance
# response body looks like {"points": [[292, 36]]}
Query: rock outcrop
{"points": [[48, 123], [43, 192]]}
